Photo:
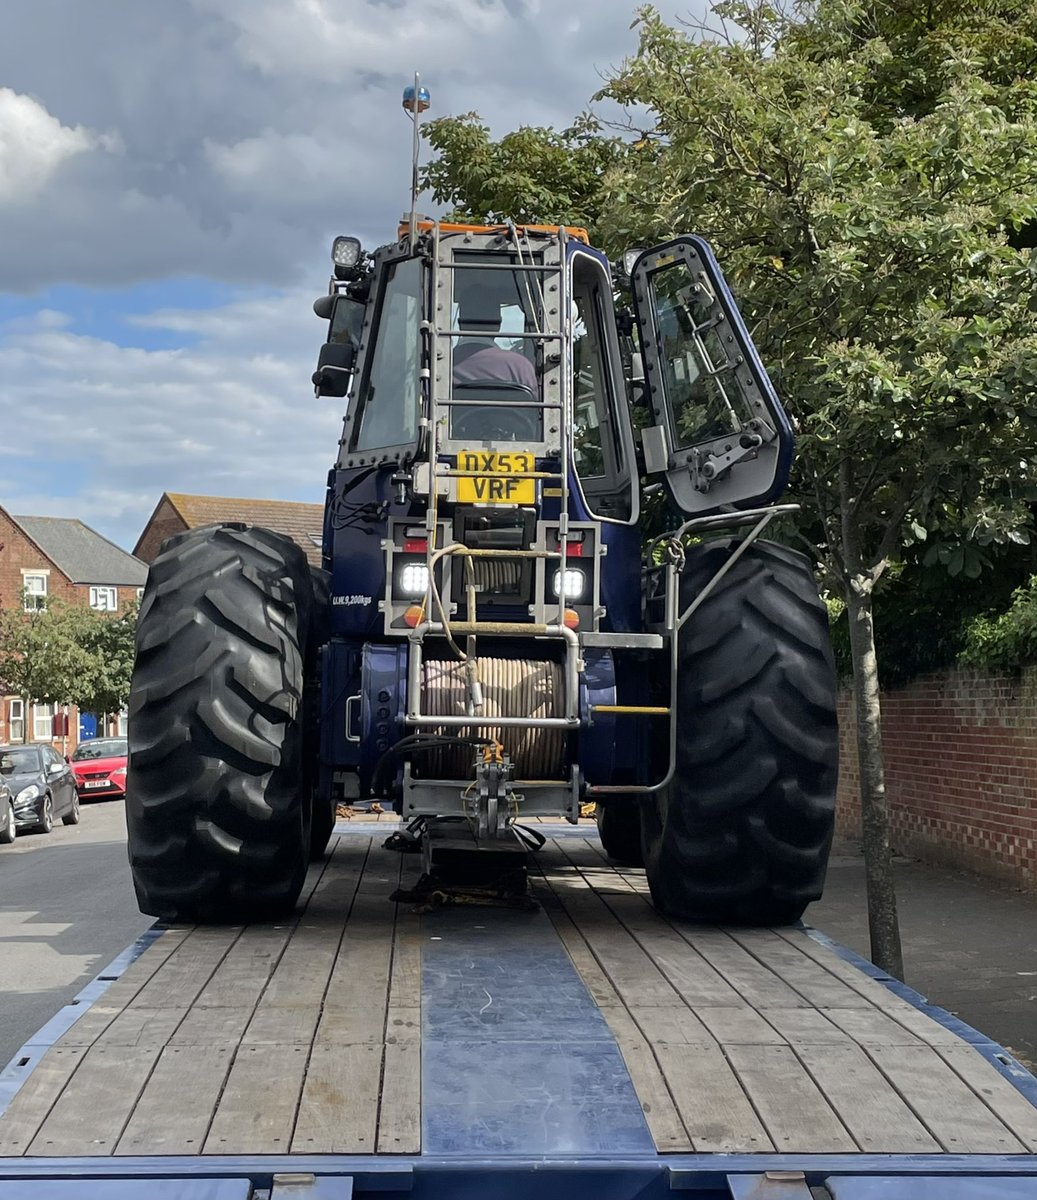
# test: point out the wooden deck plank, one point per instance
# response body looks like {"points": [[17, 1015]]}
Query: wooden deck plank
{"points": [[712, 1102], [952, 1113], [212, 1027], [173, 1113], [676, 1025], [34, 1100], [806, 1026], [187, 970], [756, 983], [88, 1028], [995, 1090], [793, 1110], [871, 1027], [697, 980], [289, 1008], [901, 1010], [98, 1016], [810, 978], [242, 976], [739, 1025], [256, 1110], [93, 1109], [587, 966], [631, 971], [399, 1104], [877, 1118], [338, 1111], [664, 1122], [143, 1027], [399, 1107]]}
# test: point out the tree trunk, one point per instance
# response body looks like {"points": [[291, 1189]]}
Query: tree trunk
{"points": [[883, 925]]}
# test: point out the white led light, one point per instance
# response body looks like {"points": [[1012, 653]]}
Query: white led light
{"points": [[413, 579], [345, 251], [569, 584]]}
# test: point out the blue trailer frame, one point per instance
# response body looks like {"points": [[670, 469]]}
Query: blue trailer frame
{"points": [[622, 1175]]}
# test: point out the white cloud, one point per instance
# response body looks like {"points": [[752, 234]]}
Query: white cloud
{"points": [[33, 145], [233, 415], [267, 125]]}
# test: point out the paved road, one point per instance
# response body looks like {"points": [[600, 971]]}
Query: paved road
{"points": [[66, 910], [970, 944]]}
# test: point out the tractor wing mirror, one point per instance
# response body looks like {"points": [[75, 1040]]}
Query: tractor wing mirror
{"points": [[334, 369], [718, 431]]}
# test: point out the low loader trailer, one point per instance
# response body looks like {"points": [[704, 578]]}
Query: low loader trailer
{"points": [[590, 1047], [543, 586]]}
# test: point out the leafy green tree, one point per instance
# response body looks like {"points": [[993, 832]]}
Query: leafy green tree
{"points": [[110, 641], [866, 170], [533, 175], [44, 654]]}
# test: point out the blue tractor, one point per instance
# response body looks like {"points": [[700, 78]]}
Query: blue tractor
{"points": [[494, 635]]}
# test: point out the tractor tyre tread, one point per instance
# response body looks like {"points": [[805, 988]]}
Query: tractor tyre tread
{"points": [[619, 827], [216, 807], [743, 832]]}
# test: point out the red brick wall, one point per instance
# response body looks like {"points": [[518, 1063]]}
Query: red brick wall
{"points": [[961, 771], [17, 552], [164, 523]]}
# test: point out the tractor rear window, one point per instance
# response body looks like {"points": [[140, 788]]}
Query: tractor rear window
{"points": [[388, 401]]}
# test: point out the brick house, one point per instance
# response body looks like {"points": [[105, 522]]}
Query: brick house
{"points": [[46, 557], [176, 513]]}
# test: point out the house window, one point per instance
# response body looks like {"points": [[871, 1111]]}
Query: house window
{"points": [[104, 598], [35, 588], [42, 722], [16, 720], [140, 595]]}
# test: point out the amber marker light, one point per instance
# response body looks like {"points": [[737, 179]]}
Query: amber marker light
{"points": [[414, 615], [571, 618]]}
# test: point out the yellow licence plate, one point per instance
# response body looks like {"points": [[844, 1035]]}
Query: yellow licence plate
{"points": [[493, 477]]}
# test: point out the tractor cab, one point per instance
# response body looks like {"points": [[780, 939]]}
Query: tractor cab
{"points": [[481, 338]]}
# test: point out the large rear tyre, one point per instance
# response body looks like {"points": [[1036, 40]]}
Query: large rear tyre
{"points": [[743, 832], [619, 827], [216, 802], [322, 824]]}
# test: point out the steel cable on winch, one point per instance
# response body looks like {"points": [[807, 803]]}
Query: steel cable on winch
{"points": [[511, 687]]}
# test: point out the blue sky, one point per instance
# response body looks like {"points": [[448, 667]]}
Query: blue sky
{"points": [[170, 181]]}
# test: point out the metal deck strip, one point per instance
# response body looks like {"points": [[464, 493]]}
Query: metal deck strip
{"points": [[21, 1065], [516, 1056], [999, 1058], [895, 1177], [383, 829]]}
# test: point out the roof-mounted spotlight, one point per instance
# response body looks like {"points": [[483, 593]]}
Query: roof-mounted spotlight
{"points": [[346, 254]]}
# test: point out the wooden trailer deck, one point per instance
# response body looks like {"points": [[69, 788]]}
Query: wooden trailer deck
{"points": [[594, 1026]]}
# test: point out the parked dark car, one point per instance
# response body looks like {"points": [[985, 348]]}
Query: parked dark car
{"points": [[8, 828], [99, 766], [42, 785]]}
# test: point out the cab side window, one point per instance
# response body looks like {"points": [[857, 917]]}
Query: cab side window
{"points": [[597, 448], [387, 405]]}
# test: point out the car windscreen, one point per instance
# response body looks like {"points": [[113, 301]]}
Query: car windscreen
{"points": [[19, 760], [107, 748]]}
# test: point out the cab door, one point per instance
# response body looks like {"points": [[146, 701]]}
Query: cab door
{"points": [[718, 432]]}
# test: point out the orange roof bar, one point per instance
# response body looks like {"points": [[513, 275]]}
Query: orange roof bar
{"points": [[426, 226]]}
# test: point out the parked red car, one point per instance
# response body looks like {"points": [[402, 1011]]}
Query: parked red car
{"points": [[100, 768]]}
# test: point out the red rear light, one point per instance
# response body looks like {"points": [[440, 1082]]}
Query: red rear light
{"points": [[415, 545], [574, 550]]}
